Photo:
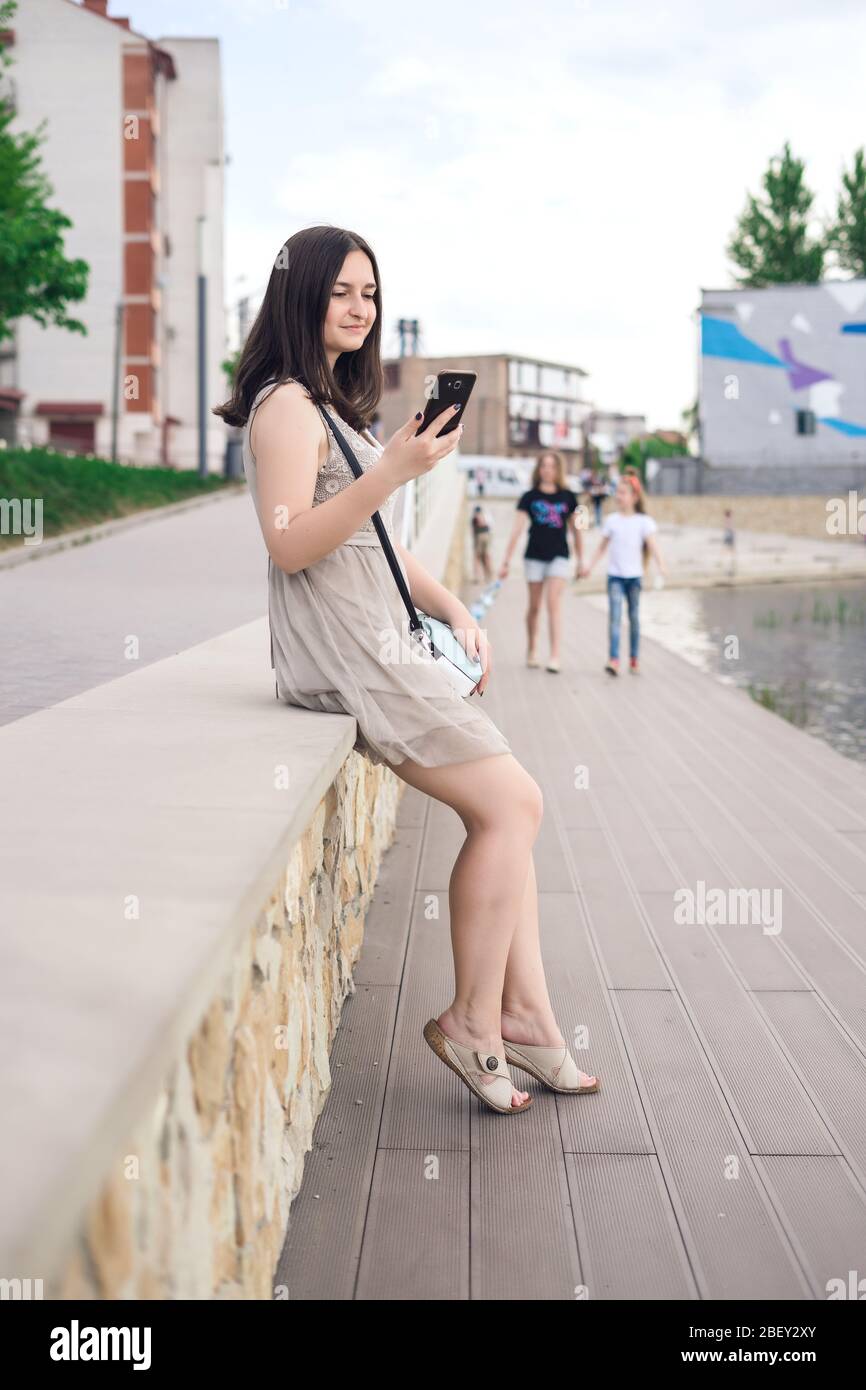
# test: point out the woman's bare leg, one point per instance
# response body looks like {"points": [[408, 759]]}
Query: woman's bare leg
{"points": [[554, 586], [527, 1013], [533, 613], [501, 807]]}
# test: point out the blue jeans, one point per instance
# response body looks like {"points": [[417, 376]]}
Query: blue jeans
{"points": [[617, 588]]}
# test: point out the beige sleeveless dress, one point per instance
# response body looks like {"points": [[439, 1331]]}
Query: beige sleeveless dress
{"points": [[340, 636]]}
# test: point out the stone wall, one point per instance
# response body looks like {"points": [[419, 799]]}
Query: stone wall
{"points": [[197, 1204]]}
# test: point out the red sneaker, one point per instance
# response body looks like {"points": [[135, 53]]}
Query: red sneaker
{"points": [[612, 666], [635, 665]]}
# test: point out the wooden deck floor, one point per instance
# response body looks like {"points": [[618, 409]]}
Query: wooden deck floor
{"points": [[725, 1155]]}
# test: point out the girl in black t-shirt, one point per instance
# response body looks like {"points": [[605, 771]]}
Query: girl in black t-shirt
{"points": [[551, 510]]}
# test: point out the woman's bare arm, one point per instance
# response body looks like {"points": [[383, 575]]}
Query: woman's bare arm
{"points": [[602, 547], [577, 535], [427, 593], [288, 433], [655, 552], [521, 521]]}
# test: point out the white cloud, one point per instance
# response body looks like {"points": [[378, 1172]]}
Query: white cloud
{"points": [[557, 178]]}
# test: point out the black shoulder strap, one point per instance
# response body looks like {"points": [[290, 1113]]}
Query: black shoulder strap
{"points": [[414, 621]]}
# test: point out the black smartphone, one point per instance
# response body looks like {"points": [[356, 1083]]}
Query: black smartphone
{"points": [[452, 388]]}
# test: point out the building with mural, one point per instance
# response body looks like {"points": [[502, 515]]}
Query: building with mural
{"points": [[782, 394]]}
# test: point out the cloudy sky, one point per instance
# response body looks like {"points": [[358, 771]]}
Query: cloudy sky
{"points": [[556, 178]]}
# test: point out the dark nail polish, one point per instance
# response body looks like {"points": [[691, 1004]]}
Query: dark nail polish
{"points": [[419, 416]]}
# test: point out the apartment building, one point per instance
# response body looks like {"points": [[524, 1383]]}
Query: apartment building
{"points": [[133, 151], [519, 405], [609, 431]]}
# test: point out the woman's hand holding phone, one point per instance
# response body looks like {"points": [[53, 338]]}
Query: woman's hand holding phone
{"points": [[408, 455]]}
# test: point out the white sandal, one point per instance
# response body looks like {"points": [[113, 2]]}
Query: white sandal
{"points": [[554, 1066], [475, 1070]]}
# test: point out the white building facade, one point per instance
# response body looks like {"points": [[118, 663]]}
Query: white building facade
{"points": [[782, 393], [133, 151]]}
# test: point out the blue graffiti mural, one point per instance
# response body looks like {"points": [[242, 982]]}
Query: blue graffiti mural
{"points": [[721, 338]]}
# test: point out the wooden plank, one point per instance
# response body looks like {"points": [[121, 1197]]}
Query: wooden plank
{"points": [[523, 1240], [416, 1243], [445, 835], [412, 808], [386, 929], [610, 1120], [630, 1244], [326, 1223], [824, 1206], [832, 1069], [735, 1241], [426, 1106], [761, 1088], [754, 953], [803, 769]]}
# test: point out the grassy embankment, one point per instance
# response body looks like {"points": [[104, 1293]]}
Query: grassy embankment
{"points": [[77, 491]]}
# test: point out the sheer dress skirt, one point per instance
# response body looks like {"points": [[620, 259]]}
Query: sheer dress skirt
{"points": [[341, 645]]}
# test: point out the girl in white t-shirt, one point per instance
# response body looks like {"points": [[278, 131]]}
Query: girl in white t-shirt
{"points": [[629, 535]]}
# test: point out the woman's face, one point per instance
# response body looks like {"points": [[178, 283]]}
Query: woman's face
{"points": [[625, 495], [547, 470], [352, 310]]}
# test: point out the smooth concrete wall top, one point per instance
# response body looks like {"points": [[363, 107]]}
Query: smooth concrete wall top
{"points": [[143, 826]]}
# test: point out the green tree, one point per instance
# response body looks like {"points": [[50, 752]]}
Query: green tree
{"points": [[689, 417], [637, 451], [772, 243], [36, 279], [230, 366], [847, 236]]}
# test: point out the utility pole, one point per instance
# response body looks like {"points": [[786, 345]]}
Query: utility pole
{"points": [[202, 353], [115, 396], [409, 331]]}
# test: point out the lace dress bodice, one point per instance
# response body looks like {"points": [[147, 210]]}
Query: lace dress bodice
{"points": [[335, 474]]}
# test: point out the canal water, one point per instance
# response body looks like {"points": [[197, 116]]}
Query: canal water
{"points": [[798, 649]]}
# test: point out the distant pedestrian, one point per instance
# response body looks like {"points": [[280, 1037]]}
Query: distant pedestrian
{"points": [[480, 480], [629, 534], [551, 509], [597, 493], [729, 539], [482, 535]]}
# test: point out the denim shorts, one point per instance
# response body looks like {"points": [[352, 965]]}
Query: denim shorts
{"points": [[561, 567]]}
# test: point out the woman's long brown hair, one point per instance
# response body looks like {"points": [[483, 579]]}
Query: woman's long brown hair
{"points": [[286, 339]]}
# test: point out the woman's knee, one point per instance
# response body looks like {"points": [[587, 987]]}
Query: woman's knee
{"points": [[532, 800], [521, 802], [494, 792]]}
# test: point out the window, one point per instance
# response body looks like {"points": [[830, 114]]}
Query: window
{"points": [[805, 422]]}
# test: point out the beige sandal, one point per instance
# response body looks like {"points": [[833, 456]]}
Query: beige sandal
{"points": [[532, 659], [475, 1070], [554, 1066]]}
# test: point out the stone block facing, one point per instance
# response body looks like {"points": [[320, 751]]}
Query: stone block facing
{"points": [[197, 1204]]}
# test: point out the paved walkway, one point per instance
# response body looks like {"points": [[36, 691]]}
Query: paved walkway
{"points": [[725, 1155], [171, 583]]}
